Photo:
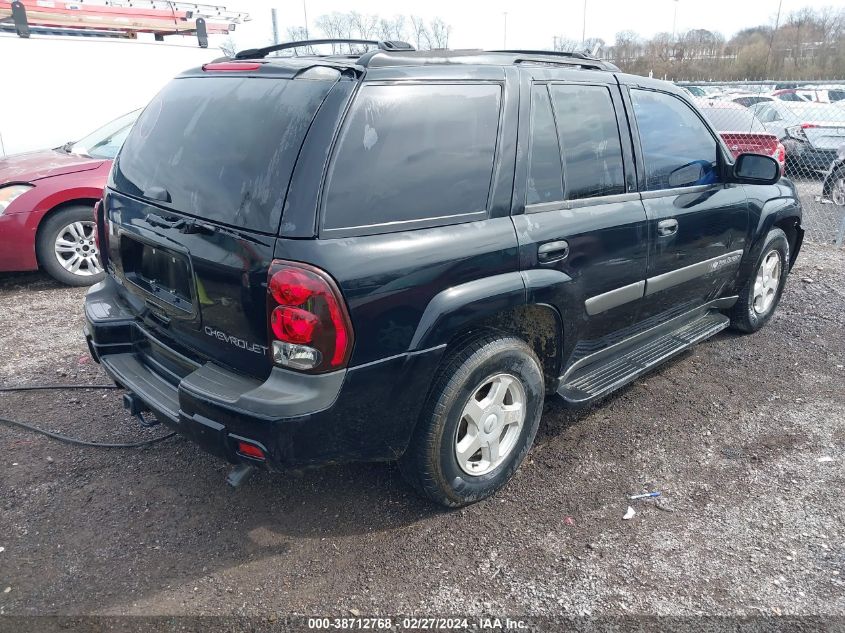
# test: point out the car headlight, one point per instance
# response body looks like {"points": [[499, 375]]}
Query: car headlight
{"points": [[9, 193]]}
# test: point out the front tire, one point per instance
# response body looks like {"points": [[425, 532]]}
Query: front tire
{"points": [[761, 294], [837, 187], [479, 421], [66, 247]]}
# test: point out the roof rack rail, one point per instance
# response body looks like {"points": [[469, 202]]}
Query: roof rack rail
{"points": [[575, 54], [385, 45]]}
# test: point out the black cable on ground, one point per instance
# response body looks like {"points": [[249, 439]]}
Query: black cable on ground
{"points": [[65, 438]]}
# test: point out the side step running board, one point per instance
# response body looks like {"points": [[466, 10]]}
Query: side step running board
{"points": [[606, 374]]}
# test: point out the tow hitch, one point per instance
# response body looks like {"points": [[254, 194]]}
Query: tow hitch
{"points": [[136, 407]]}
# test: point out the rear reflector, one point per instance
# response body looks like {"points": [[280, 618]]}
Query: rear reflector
{"points": [[232, 66], [250, 450]]}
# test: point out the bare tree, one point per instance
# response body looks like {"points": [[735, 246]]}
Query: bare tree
{"points": [[392, 28], [228, 47], [420, 32], [592, 44], [566, 45], [439, 31], [363, 26], [334, 26]]}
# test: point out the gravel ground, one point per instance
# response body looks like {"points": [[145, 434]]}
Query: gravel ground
{"points": [[744, 436]]}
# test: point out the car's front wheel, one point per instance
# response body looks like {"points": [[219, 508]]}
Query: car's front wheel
{"points": [[66, 247], [837, 187], [480, 420], [762, 291]]}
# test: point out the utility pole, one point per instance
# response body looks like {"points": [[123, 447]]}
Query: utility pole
{"points": [[675, 22], [305, 16], [275, 26], [505, 35], [584, 24]]}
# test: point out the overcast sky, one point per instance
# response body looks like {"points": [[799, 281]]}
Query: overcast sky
{"points": [[530, 23]]}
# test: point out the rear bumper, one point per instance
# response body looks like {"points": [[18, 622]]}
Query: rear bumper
{"points": [[805, 158], [364, 413]]}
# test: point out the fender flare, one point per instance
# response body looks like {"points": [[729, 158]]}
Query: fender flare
{"points": [[455, 308], [773, 212]]}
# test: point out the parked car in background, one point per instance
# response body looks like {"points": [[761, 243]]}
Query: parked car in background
{"points": [[695, 91], [794, 94], [811, 132], [748, 99], [811, 94], [742, 132], [46, 205], [833, 186]]}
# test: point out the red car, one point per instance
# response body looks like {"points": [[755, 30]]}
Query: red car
{"points": [[741, 130], [46, 205]]}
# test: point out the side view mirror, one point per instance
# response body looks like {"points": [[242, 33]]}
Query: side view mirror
{"points": [[756, 169]]}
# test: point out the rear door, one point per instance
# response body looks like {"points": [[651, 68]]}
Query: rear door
{"points": [[194, 203], [697, 225], [576, 210]]}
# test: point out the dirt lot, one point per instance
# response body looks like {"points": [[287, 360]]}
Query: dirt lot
{"points": [[752, 520]]}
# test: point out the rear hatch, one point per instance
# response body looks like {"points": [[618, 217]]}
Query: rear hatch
{"points": [[194, 203]]}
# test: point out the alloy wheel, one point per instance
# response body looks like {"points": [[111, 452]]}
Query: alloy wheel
{"points": [[490, 424], [838, 192], [76, 249], [767, 282]]}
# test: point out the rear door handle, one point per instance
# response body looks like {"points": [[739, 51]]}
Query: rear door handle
{"points": [[553, 251], [667, 227]]}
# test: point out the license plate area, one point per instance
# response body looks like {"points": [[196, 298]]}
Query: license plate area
{"points": [[163, 274]]}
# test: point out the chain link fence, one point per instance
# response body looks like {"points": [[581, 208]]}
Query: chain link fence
{"points": [[802, 125]]}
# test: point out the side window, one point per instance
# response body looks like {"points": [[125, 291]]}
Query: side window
{"points": [[678, 149], [413, 152], [589, 140], [545, 176]]}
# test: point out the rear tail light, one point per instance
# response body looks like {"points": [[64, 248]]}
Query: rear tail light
{"points": [[797, 132], [780, 156], [309, 325]]}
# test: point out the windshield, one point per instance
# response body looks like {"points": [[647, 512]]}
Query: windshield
{"points": [[733, 120], [106, 141], [220, 148]]}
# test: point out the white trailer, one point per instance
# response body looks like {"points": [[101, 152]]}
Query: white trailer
{"points": [[55, 89]]}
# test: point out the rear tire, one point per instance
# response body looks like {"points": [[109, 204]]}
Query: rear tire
{"points": [[761, 293], [489, 393], [65, 247]]}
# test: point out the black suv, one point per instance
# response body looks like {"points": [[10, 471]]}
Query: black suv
{"points": [[398, 255]]}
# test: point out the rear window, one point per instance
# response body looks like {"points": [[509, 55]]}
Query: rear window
{"points": [[221, 148], [733, 120], [413, 153]]}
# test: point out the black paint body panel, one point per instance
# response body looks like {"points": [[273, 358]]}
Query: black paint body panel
{"points": [[410, 292]]}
